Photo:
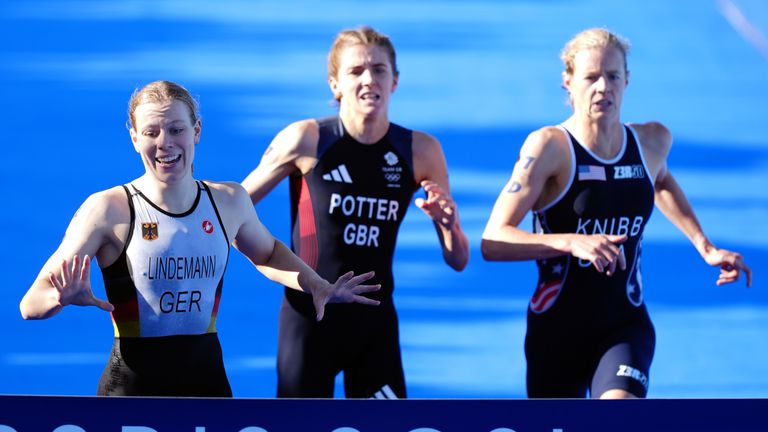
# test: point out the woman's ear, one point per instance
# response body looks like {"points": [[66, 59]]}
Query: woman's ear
{"points": [[333, 83], [134, 139]]}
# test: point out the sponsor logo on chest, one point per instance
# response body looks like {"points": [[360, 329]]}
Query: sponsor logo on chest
{"points": [[340, 174], [623, 172], [207, 227], [392, 171]]}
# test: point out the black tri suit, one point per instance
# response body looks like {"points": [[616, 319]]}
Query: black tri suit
{"points": [[589, 332], [345, 215]]}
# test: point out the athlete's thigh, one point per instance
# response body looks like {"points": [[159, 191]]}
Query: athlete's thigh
{"points": [[304, 359], [556, 366], [626, 362], [556, 377], [376, 371], [118, 379], [136, 371]]}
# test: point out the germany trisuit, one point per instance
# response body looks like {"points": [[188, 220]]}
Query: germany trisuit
{"points": [[165, 288]]}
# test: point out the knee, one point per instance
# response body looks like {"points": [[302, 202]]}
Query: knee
{"points": [[617, 394]]}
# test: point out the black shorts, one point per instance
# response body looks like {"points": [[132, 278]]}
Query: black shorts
{"points": [[188, 365], [563, 363], [362, 341]]}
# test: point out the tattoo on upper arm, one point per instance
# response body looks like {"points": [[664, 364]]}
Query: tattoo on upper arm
{"points": [[514, 186], [528, 162]]}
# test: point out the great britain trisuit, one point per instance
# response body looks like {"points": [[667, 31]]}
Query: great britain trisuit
{"points": [[582, 324], [345, 215], [166, 287]]}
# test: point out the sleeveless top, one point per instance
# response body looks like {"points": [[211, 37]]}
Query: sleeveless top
{"points": [[168, 279], [346, 212], [613, 196]]}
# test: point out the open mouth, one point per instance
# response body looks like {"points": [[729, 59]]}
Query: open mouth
{"points": [[603, 104], [168, 160], [370, 97]]}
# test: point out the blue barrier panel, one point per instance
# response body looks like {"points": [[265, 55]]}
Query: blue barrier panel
{"points": [[89, 414]]}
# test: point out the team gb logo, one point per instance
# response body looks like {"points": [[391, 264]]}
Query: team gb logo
{"points": [[391, 158]]}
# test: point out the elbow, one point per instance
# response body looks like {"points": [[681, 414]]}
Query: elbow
{"points": [[459, 267], [26, 312], [459, 263], [488, 250], [255, 196], [495, 250], [457, 257], [32, 311]]}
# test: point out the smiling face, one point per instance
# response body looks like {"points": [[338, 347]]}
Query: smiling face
{"points": [[365, 80], [596, 84], [165, 136]]}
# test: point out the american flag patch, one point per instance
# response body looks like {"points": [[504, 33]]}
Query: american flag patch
{"points": [[545, 296], [591, 172]]}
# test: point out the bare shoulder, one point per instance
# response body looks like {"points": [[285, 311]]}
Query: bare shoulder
{"points": [[228, 193], [651, 127], [428, 159], [298, 138], [234, 205], [99, 227], [106, 208], [546, 149], [655, 138], [425, 143], [548, 139], [293, 148], [113, 196]]}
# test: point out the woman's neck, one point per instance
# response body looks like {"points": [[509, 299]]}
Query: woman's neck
{"points": [[175, 197], [365, 129], [602, 138]]}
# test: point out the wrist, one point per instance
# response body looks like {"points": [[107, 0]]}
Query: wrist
{"points": [[702, 244], [563, 243], [307, 283]]}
